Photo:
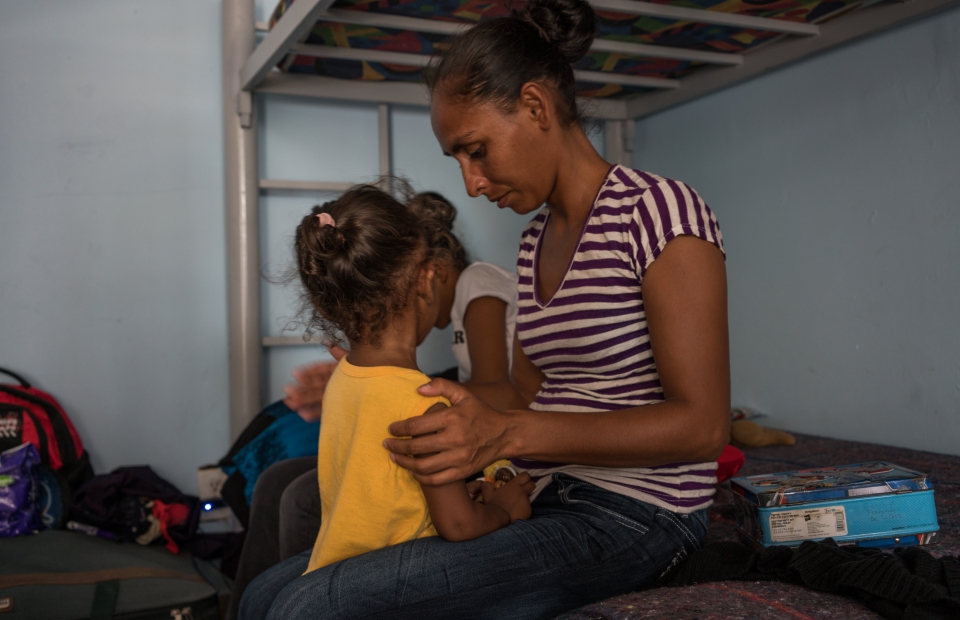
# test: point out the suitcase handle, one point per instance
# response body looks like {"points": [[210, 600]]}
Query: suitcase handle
{"points": [[23, 382]]}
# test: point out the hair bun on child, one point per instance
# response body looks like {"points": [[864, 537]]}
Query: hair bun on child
{"points": [[328, 239], [570, 25], [437, 215], [433, 207]]}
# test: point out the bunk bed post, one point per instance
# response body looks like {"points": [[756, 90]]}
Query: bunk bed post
{"points": [[383, 126], [241, 194], [618, 142]]}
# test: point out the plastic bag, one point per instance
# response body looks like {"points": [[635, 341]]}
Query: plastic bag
{"points": [[18, 491]]}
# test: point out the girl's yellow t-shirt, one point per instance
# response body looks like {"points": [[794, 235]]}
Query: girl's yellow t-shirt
{"points": [[367, 501]]}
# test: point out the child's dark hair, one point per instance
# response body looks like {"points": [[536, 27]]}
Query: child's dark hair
{"points": [[358, 273], [538, 43], [437, 215]]}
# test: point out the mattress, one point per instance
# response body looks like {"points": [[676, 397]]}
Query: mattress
{"points": [[612, 26]]}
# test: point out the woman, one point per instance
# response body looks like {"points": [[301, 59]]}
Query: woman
{"points": [[618, 401]]}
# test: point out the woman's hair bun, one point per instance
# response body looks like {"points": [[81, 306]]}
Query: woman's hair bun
{"points": [[570, 25]]}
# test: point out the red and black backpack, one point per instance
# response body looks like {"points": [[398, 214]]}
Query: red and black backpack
{"points": [[31, 415]]}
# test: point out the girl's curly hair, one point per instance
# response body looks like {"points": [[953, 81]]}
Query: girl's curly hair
{"points": [[437, 215], [359, 273]]}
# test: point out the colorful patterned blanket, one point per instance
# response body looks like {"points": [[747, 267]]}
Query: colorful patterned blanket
{"points": [[612, 26]]}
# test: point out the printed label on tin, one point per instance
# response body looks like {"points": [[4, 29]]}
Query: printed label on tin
{"points": [[808, 523]]}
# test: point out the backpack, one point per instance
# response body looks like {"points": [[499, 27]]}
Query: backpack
{"points": [[29, 415]]}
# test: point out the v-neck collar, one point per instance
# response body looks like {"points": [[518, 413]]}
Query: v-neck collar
{"points": [[576, 250]]}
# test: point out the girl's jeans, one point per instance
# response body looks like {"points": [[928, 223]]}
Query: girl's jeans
{"points": [[581, 545]]}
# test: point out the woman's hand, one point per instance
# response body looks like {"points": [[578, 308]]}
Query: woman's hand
{"points": [[451, 444], [305, 396]]}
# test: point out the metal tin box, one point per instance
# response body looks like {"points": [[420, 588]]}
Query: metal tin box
{"points": [[875, 504]]}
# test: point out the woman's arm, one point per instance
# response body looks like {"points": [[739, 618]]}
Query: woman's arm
{"points": [[457, 517], [684, 293]]}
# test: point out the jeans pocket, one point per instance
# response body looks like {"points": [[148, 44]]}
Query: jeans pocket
{"points": [[690, 527], [689, 531], [607, 505]]}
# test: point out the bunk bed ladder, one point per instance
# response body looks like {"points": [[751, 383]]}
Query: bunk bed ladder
{"points": [[242, 193]]}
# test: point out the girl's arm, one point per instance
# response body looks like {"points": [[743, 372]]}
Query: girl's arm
{"points": [[457, 517], [485, 325], [491, 380], [684, 294]]}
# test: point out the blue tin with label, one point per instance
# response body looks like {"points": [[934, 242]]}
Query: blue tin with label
{"points": [[876, 504]]}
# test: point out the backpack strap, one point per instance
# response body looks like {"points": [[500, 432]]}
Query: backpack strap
{"points": [[23, 382]]}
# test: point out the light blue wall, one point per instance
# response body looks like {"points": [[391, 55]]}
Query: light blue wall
{"points": [[835, 182], [112, 273], [837, 185]]}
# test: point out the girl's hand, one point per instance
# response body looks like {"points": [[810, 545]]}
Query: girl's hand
{"points": [[475, 489], [305, 396], [513, 497], [453, 443]]}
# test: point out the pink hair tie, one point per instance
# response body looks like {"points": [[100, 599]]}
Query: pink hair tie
{"points": [[326, 220]]}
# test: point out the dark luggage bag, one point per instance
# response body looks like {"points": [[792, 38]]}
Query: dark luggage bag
{"points": [[60, 575]]}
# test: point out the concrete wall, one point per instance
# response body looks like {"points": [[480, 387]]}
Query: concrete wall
{"points": [[112, 272]]}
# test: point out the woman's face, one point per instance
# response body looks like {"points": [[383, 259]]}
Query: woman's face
{"points": [[504, 156]]}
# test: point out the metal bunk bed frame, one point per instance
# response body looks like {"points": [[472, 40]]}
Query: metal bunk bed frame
{"points": [[248, 69]]}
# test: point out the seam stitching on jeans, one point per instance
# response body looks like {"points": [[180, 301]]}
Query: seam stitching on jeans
{"points": [[622, 520], [684, 530]]}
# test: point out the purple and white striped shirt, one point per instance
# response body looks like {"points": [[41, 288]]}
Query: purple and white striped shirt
{"points": [[591, 339]]}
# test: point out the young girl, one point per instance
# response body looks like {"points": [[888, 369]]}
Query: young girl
{"points": [[371, 277], [479, 299]]}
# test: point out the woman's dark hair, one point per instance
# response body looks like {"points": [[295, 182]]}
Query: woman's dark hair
{"points": [[538, 43], [358, 273], [437, 215]]}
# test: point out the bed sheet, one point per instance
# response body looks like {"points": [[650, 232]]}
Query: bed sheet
{"points": [[762, 600]]}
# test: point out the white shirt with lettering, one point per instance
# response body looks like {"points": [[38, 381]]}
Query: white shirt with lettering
{"points": [[481, 280]]}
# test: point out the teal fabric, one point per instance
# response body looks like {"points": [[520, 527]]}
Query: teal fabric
{"points": [[287, 437]]}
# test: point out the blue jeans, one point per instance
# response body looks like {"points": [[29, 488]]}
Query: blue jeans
{"points": [[581, 545]]}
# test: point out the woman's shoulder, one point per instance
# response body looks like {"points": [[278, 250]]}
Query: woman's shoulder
{"points": [[636, 188], [651, 210]]}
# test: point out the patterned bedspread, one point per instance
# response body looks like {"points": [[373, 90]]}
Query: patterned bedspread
{"points": [[762, 600], [612, 26]]}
